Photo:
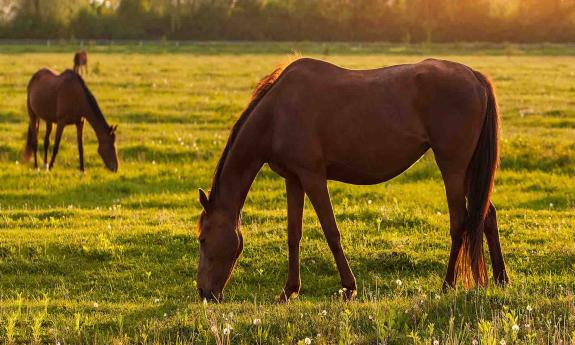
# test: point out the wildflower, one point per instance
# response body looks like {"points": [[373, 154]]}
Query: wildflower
{"points": [[257, 322], [527, 325], [205, 301], [165, 315], [227, 330], [515, 328], [551, 205], [96, 305], [324, 312], [214, 329], [398, 282], [503, 342], [307, 341], [340, 291], [435, 342], [369, 202], [370, 317], [474, 342], [157, 300], [529, 308]]}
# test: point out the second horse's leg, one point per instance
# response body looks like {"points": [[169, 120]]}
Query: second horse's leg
{"points": [[79, 132], [47, 143], [59, 131]]}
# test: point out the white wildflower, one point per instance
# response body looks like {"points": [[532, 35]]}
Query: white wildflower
{"points": [[435, 342], [96, 305], [214, 329], [257, 322], [398, 282], [324, 312], [227, 330], [474, 342], [515, 328], [307, 341], [503, 342], [529, 308]]}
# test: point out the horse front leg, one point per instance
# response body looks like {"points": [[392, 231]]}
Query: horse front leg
{"points": [[295, 200], [315, 186]]}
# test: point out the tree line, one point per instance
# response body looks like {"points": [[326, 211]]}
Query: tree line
{"points": [[292, 20]]}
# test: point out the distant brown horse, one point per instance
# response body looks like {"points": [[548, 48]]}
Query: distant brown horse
{"points": [[64, 100], [81, 62], [314, 122]]}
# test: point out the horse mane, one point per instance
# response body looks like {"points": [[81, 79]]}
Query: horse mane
{"points": [[89, 96], [259, 92]]}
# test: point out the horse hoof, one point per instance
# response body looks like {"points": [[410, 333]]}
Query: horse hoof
{"points": [[447, 287], [348, 294], [285, 296]]}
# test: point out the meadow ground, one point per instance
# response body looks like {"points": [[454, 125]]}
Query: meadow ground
{"points": [[101, 257]]}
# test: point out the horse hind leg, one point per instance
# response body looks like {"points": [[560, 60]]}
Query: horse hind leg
{"points": [[455, 191], [32, 137], [492, 235]]}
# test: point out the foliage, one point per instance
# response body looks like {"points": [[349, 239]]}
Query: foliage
{"points": [[293, 20]]}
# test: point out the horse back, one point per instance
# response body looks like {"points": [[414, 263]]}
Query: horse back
{"points": [[54, 97]]}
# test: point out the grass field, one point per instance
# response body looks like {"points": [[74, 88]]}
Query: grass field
{"points": [[111, 258]]}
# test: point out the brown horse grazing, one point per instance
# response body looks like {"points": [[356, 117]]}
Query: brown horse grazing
{"points": [[314, 122], [64, 100], [81, 62]]}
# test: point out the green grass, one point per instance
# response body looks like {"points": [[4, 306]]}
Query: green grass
{"points": [[101, 257]]}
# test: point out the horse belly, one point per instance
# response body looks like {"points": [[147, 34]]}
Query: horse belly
{"points": [[374, 168]]}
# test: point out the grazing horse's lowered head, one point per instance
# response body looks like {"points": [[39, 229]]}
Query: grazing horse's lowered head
{"points": [[107, 149], [221, 244]]}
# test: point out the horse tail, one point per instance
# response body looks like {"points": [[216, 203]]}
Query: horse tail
{"points": [[31, 137], [480, 179]]}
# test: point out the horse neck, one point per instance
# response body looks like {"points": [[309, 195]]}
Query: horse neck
{"points": [[241, 166], [97, 121]]}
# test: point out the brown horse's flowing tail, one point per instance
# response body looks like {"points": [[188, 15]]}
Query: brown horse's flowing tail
{"points": [[480, 180]]}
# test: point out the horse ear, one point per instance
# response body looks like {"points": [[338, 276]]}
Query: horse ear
{"points": [[204, 199], [113, 128]]}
